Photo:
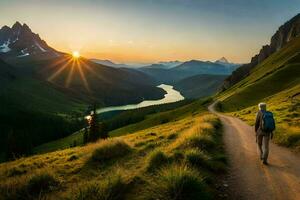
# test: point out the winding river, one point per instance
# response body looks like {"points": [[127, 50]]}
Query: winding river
{"points": [[171, 95]]}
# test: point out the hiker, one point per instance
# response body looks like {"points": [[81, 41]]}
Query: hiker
{"points": [[264, 127]]}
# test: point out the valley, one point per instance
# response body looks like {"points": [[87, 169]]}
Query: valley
{"points": [[171, 96], [149, 100]]}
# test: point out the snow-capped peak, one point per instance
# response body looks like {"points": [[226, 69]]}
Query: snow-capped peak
{"points": [[4, 47], [20, 41]]}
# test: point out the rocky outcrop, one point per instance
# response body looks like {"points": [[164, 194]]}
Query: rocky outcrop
{"points": [[283, 35]]}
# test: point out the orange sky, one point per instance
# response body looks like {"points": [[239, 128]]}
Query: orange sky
{"points": [[153, 30]]}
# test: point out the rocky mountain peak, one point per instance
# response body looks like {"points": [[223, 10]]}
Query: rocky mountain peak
{"points": [[19, 41], [16, 26]]}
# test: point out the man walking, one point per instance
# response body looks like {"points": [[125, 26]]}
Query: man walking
{"points": [[264, 127]]}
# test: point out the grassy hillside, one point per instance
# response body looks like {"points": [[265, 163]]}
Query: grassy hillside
{"points": [[177, 159], [129, 121], [276, 81], [42, 99], [200, 85], [33, 112]]}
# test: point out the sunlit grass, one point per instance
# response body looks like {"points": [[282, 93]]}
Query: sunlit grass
{"points": [[92, 171]]}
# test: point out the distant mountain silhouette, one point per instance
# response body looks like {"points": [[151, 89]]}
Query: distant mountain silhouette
{"points": [[110, 63], [222, 60], [171, 64], [204, 67], [172, 75]]}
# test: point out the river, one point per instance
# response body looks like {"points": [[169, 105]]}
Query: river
{"points": [[171, 95]]}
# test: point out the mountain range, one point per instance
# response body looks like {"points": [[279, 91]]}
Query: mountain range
{"points": [[32, 57], [110, 63], [43, 89], [183, 70]]}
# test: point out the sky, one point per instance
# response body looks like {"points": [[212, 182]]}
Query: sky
{"points": [[144, 31]]}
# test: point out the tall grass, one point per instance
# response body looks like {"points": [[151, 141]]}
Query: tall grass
{"points": [[202, 135], [111, 188], [32, 187], [42, 182], [177, 182], [196, 157], [110, 149], [156, 160]]}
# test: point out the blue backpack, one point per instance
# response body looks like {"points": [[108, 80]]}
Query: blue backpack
{"points": [[268, 122]]}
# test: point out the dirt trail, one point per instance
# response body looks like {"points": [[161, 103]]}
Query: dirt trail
{"points": [[248, 177]]}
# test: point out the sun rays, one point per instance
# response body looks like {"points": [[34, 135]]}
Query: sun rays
{"points": [[82, 75], [73, 66]]}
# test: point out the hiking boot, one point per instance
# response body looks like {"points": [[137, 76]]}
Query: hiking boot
{"points": [[265, 162]]}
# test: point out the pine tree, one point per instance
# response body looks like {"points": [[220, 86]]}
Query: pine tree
{"points": [[94, 127], [85, 136], [103, 133]]}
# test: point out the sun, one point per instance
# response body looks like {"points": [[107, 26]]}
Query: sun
{"points": [[76, 54]]}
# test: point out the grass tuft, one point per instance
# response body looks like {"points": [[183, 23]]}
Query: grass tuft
{"points": [[110, 149], [203, 142], [195, 157], [177, 182], [156, 160], [42, 182], [111, 188]]}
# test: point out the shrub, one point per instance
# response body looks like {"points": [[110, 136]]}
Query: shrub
{"points": [[177, 182], [110, 149], [41, 182], [110, 189], [156, 160]]}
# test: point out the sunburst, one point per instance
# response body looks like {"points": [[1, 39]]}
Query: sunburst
{"points": [[74, 64]]}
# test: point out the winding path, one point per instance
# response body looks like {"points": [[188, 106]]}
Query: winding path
{"points": [[248, 178]]}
